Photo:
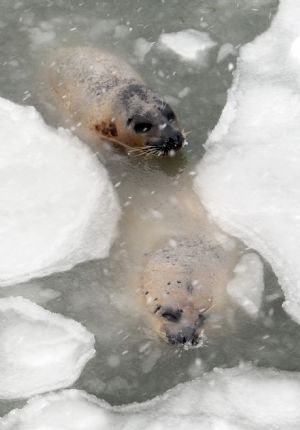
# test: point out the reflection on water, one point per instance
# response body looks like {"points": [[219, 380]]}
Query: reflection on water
{"points": [[131, 363]]}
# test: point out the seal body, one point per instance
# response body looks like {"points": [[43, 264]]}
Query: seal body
{"points": [[107, 99], [183, 263]]}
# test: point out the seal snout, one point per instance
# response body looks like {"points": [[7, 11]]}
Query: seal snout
{"points": [[174, 141], [170, 141], [186, 336]]}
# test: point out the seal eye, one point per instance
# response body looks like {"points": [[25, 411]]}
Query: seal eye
{"points": [[142, 127], [172, 316], [170, 116], [201, 320]]}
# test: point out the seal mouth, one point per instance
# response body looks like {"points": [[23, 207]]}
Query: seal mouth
{"points": [[186, 338], [194, 344]]}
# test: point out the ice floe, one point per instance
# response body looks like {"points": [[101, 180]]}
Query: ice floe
{"points": [[39, 350], [190, 45], [57, 205], [249, 179], [233, 399]]}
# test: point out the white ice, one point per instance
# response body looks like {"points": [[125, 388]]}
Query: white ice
{"points": [[190, 45], [57, 205], [247, 285], [249, 179], [234, 399], [39, 350]]}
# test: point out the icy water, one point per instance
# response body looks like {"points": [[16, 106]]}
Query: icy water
{"points": [[131, 363]]}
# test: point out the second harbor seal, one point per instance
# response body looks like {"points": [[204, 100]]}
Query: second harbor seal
{"points": [[107, 99]]}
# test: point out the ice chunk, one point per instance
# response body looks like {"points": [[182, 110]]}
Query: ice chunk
{"points": [[191, 45], [141, 48], [101, 27], [184, 92], [39, 350], [247, 286], [235, 399], [58, 207], [249, 179], [225, 50]]}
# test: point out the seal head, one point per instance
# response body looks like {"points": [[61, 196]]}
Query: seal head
{"points": [[105, 98], [146, 121], [178, 292]]}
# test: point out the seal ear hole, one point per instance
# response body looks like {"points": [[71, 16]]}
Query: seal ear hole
{"points": [[168, 113], [201, 319], [142, 127]]}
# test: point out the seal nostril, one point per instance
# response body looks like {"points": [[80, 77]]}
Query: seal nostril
{"points": [[184, 336], [180, 139], [201, 320], [175, 141]]}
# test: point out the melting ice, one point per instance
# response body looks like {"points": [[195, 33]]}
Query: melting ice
{"points": [[234, 399], [39, 351], [58, 207], [189, 44], [249, 178]]}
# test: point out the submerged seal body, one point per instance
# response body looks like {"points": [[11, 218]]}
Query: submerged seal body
{"points": [[105, 97], [183, 263]]}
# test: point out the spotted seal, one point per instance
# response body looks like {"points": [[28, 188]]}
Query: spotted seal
{"points": [[106, 98], [184, 283], [179, 264]]}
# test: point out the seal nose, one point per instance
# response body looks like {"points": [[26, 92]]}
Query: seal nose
{"points": [[175, 141], [187, 335]]}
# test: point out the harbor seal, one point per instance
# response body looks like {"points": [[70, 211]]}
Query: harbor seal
{"points": [[106, 99], [183, 263], [184, 286]]}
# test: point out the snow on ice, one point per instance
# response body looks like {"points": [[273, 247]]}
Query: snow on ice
{"points": [[249, 178], [39, 350], [234, 399], [191, 45], [58, 207]]}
